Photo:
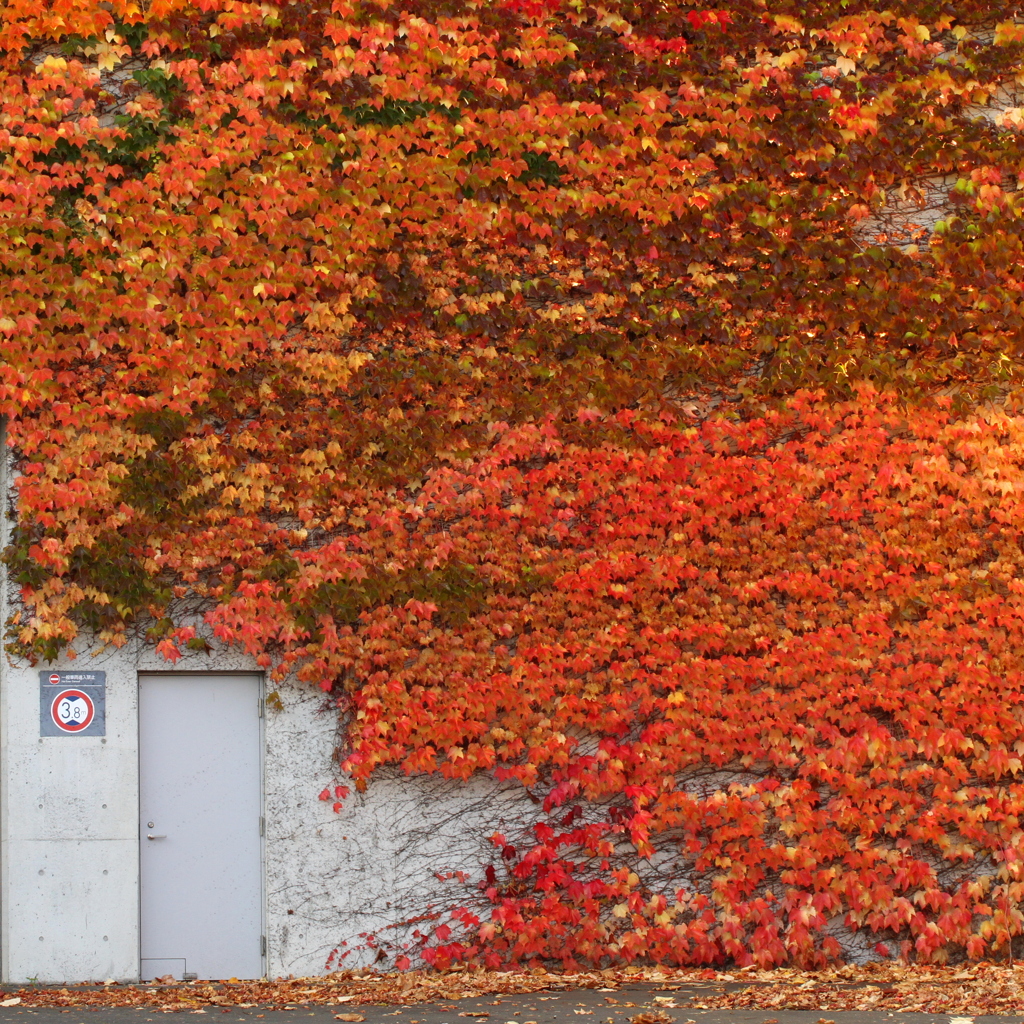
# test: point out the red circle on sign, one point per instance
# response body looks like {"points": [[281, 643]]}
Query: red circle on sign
{"points": [[72, 710], [55, 679]]}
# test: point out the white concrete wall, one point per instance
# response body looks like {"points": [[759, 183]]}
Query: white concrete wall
{"points": [[372, 866], [70, 847]]}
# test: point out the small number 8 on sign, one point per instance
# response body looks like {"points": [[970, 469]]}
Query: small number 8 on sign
{"points": [[72, 710]]}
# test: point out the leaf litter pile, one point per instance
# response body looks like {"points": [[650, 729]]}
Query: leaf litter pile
{"points": [[980, 988]]}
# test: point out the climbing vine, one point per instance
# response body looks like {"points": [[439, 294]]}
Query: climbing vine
{"points": [[582, 394], [764, 675]]}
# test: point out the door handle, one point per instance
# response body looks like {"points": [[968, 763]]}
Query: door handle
{"points": [[156, 837]]}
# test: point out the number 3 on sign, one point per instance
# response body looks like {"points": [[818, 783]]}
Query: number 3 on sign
{"points": [[72, 710]]}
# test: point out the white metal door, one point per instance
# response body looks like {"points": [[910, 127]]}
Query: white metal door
{"points": [[200, 824]]}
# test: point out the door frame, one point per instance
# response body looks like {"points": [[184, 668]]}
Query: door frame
{"points": [[261, 686]]}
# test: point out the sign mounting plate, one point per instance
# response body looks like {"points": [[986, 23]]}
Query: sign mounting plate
{"points": [[72, 703]]}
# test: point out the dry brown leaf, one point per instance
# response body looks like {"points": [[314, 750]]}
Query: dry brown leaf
{"points": [[349, 1016], [880, 987]]}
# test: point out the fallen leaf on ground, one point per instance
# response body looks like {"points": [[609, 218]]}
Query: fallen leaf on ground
{"points": [[349, 1016], [982, 988]]}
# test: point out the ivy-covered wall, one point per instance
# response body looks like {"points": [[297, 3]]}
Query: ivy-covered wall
{"points": [[616, 400]]}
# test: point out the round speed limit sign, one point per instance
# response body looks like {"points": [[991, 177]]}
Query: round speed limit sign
{"points": [[72, 710]]}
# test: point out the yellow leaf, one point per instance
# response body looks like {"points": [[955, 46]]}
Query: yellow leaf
{"points": [[106, 57], [785, 60], [784, 23], [1007, 32]]}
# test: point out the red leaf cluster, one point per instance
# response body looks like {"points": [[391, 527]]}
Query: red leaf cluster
{"points": [[826, 730]]}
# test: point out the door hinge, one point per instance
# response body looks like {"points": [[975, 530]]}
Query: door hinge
{"points": [[259, 707], [263, 945], [263, 826]]}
